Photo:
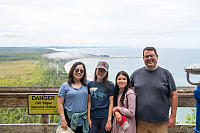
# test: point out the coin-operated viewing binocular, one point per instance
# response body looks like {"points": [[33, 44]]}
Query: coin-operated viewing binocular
{"points": [[195, 69]]}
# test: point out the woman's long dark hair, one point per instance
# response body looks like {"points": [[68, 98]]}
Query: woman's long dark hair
{"points": [[117, 89], [105, 81], [71, 78]]}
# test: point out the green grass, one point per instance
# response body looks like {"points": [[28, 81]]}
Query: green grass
{"points": [[19, 73], [17, 68]]}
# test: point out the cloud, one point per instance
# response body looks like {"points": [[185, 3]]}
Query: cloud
{"points": [[106, 22]]}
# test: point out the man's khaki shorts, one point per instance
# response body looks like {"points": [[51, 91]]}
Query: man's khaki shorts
{"points": [[149, 127]]}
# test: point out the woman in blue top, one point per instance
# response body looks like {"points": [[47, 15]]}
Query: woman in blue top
{"points": [[100, 100], [73, 100]]}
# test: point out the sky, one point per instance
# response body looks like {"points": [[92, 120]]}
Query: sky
{"points": [[131, 23]]}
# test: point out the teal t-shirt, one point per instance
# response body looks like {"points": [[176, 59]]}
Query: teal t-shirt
{"points": [[100, 98]]}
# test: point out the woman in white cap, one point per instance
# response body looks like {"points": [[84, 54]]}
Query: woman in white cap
{"points": [[100, 100], [73, 100]]}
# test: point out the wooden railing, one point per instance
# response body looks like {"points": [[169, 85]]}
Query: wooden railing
{"points": [[17, 97]]}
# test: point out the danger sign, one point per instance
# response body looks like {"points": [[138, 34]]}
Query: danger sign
{"points": [[42, 104]]}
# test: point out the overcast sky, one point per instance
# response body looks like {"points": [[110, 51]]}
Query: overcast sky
{"points": [[136, 23]]}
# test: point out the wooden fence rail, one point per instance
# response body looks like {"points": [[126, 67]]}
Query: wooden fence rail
{"points": [[17, 97]]}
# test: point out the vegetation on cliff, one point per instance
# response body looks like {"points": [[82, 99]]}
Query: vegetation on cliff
{"points": [[27, 67]]}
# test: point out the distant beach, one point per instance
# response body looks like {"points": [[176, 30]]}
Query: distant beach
{"points": [[130, 59]]}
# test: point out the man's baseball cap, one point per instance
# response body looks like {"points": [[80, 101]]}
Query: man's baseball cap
{"points": [[103, 64]]}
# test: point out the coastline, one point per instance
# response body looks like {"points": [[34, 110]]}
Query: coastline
{"points": [[90, 60], [121, 63]]}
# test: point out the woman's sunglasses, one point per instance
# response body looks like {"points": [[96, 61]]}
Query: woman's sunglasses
{"points": [[78, 70]]}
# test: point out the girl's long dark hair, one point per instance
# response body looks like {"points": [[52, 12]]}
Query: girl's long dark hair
{"points": [[117, 89], [71, 78]]}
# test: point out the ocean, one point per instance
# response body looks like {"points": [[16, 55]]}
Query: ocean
{"points": [[130, 59]]}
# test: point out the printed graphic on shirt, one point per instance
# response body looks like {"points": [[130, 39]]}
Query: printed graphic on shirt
{"points": [[96, 94], [93, 89]]}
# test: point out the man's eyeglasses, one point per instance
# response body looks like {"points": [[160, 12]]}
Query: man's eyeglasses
{"points": [[78, 70], [151, 56]]}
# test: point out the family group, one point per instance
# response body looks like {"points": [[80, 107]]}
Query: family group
{"points": [[139, 103]]}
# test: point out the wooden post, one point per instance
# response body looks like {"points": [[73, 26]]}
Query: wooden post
{"points": [[45, 120]]}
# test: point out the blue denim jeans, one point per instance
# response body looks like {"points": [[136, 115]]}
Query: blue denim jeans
{"points": [[98, 124]]}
